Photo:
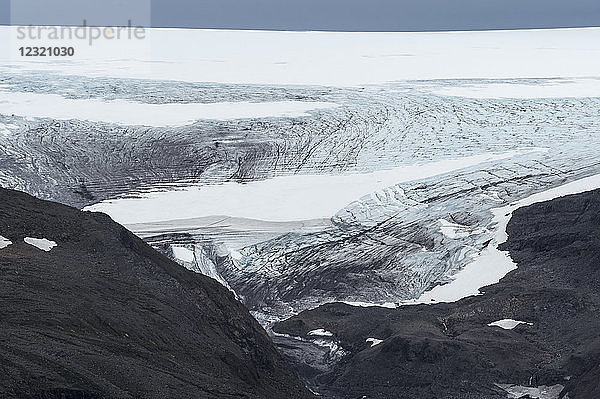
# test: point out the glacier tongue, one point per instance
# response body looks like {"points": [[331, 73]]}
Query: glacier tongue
{"points": [[393, 248], [199, 258]]}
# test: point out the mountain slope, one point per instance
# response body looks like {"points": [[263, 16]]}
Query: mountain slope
{"points": [[103, 315], [457, 350]]}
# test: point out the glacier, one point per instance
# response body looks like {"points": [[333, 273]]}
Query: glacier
{"points": [[378, 187]]}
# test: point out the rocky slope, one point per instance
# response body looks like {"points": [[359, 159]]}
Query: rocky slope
{"points": [[103, 315], [451, 350]]}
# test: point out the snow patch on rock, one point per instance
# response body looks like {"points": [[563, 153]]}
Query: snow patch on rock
{"points": [[321, 333], [508, 324], [4, 242], [41, 243], [387, 305], [374, 341]]}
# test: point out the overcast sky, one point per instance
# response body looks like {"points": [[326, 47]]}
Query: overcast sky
{"points": [[348, 15]]}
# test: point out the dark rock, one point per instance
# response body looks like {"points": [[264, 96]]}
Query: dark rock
{"points": [[103, 315]]}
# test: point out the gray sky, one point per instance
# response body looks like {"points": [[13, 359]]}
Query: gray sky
{"points": [[349, 15]]}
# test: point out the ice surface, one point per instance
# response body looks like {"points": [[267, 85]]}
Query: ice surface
{"points": [[197, 259], [492, 264], [286, 198], [183, 254], [558, 88], [235, 233], [454, 230], [35, 105], [235, 254], [6, 129], [40, 243]]}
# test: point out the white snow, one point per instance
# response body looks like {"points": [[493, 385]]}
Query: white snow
{"points": [[125, 112], [288, 198], [325, 58], [320, 333], [374, 341], [40, 243], [182, 253], [492, 264], [388, 305], [508, 324], [235, 254], [560, 88], [4, 242]]}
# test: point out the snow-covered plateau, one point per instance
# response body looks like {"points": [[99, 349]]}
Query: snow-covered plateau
{"points": [[299, 168]]}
